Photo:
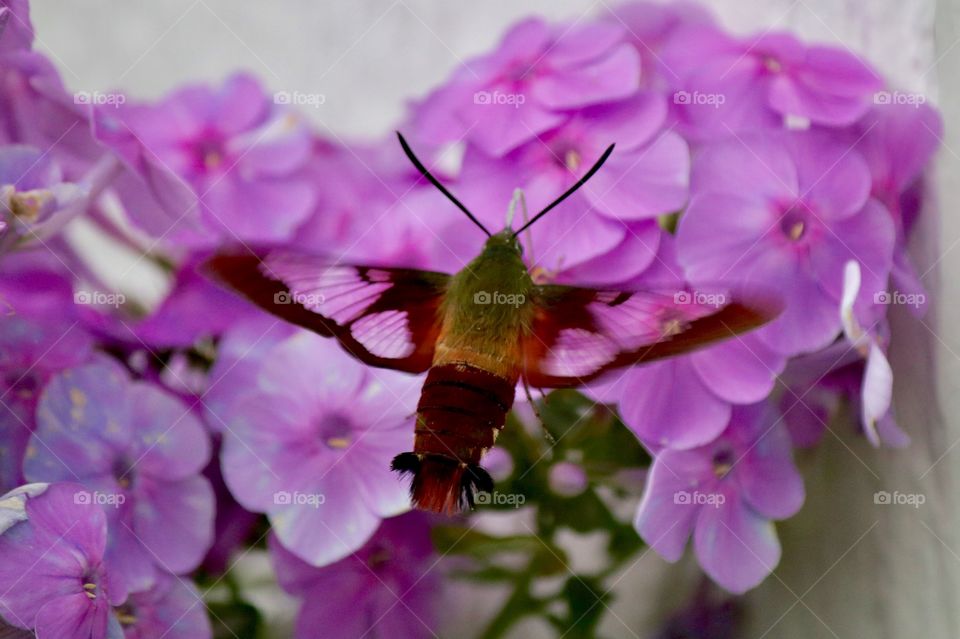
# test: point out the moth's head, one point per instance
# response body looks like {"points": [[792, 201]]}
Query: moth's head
{"points": [[506, 240]]}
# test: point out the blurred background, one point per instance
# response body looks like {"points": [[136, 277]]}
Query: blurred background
{"points": [[848, 570], [368, 57]]}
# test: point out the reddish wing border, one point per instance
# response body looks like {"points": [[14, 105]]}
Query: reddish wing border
{"points": [[579, 334], [405, 295]]}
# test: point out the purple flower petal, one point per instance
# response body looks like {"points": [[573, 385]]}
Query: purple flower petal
{"points": [[790, 97], [16, 29], [717, 237], [174, 521], [329, 379], [905, 279], [75, 404], [806, 412], [173, 441], [507, 125], [238, 361], [735, 546], [867, 238], [50, 553], [392, 585], [274, 152], [665, 517], [370, 458], [835, 69], [258, 210], [723, 97], [769, 481], [571, 233], [238, 105], [834, 180], [525, 39], [897, 141], [187, 313], [337, 625], [633, 256], [666, 404], [172, 608], [890, 434], [326, 532], [257, 462], [810, 321], [830, 86], [583, 43], [691, 46], [629, 123], [617, 76], [647, 182], [755, 168], [649, 25], [27, 168], [131, 566], [877, 392], [311, 446], [74, 617], [741, 370]]}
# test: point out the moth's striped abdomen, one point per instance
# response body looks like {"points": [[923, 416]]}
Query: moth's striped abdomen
{"points": [[462, 409]]}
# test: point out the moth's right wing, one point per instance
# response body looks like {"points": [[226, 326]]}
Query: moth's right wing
{"points": [[385, 317], [577, 334]]}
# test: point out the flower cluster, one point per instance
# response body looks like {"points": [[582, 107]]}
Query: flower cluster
{"points": [[148, 447], [761, 161]]}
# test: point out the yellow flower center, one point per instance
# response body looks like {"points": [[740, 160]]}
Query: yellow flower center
{"points": [[338, 442]]}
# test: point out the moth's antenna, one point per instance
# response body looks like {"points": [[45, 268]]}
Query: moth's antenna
{"points": [[586, 176], [434, 181]]}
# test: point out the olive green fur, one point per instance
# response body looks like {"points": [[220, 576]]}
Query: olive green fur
{"points": [[498, 272]]}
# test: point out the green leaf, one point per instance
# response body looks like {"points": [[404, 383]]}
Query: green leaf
{"points": [[584, 513], [486, 574], [624, 542], [586, 603], [466, 541], [234, 619]]}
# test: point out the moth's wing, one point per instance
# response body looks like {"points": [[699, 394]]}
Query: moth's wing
{"points": [[385, 317], [577, 334]]}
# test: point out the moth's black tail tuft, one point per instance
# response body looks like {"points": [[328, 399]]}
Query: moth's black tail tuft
{"points": [[440, 483], [474, 480], [406, 463]]}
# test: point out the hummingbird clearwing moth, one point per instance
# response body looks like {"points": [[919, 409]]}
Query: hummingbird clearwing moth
{"points": [[477, 333]]}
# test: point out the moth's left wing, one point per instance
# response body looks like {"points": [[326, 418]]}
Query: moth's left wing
{"points": [[577, 334], [385, 317]]}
